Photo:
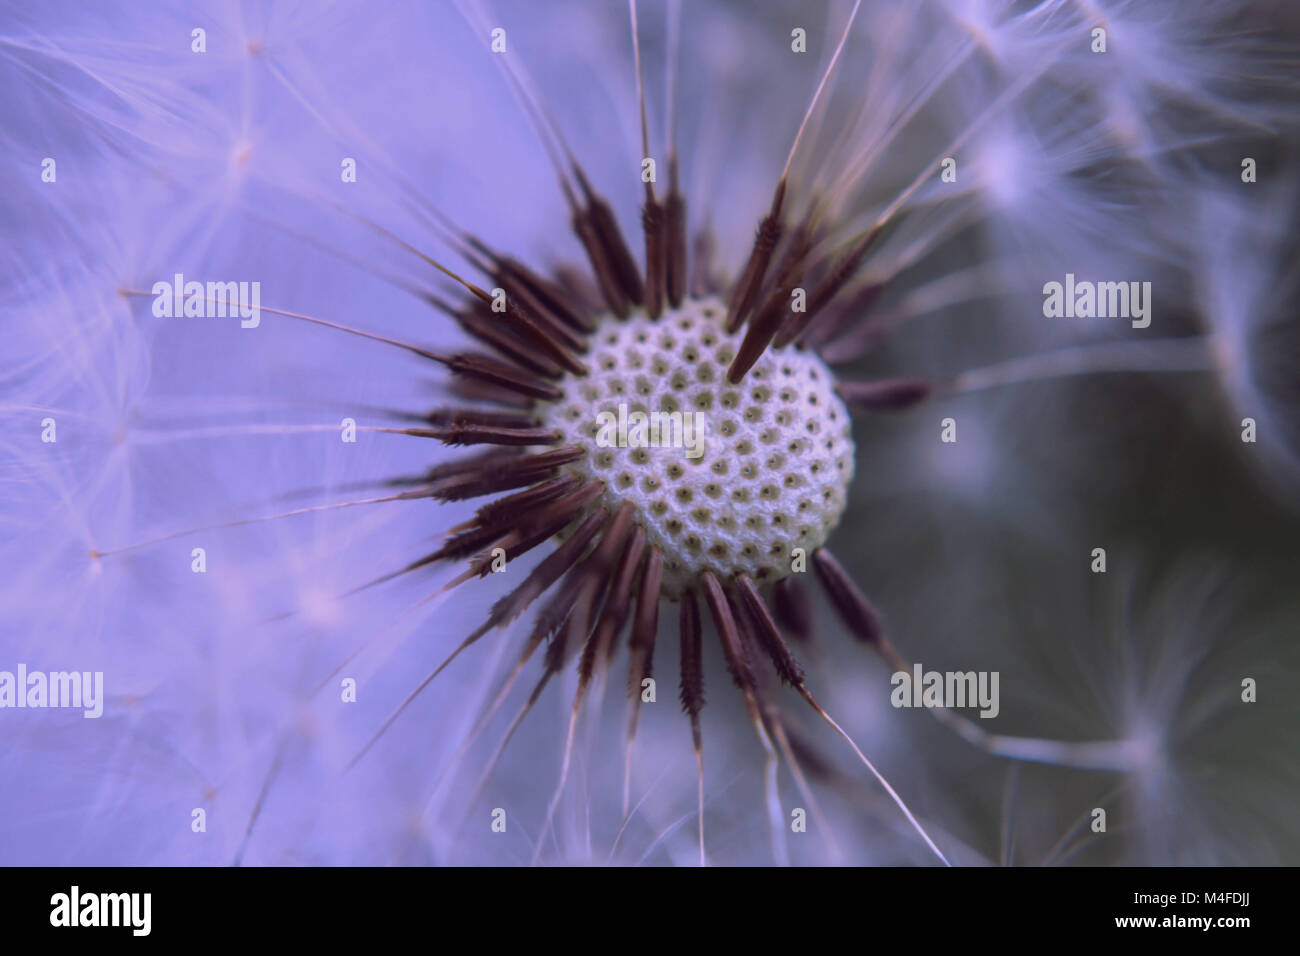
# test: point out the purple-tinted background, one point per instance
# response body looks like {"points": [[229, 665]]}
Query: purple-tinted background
{"points": [[225, 165]]}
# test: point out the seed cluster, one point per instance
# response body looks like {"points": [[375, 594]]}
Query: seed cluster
{"points": [[744, 475]]}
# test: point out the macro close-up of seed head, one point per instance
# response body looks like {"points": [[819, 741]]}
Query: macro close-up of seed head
{"points": [[768, 461], [657, 433]]}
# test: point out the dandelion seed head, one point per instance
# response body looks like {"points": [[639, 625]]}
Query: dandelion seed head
{"points": [[226, 164], [769, 472]]}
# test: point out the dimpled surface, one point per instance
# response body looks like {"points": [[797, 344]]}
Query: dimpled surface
{"points": [[777, 449]]}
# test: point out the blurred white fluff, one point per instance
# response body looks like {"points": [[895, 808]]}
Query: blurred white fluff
{"points": [[1246, 283]]}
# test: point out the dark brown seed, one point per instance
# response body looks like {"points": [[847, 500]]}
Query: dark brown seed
{"points": [[495, 520], [592, 576], [775, 303], [646, 624], [703, 250], [675, 231], [612, 544], [614, 614], [852, 339], [513, 508], [654, 224], [471, 390], [542, 525], [490, 458], [793, 609], [577, 287], [543, 296], [885, 395], [609, 235], [543, 575], [749, 644], [835, 321], [504, 474], [533, 311], [557, 342], [601, 267], [793, 258], [502, 374], [520, 329], [852, 606], [751, 280], [568, 614], [554, 614], [765, 324], [476, 416], [766, 633], [738, 665], [468, 434], [840, 273], [477, 321], [692, 683]]}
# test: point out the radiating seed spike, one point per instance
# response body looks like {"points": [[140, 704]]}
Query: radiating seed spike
{"points": [[857, 613], [514, 507], [614, 614], [602, 266], [546, 305], [654, 223], [767, 634], [675, 267], [738, 664], [885, 395], [481, 435], [751, 280], [610, 237], [692, 664], [502, 374], [477, 321], [793, 609], [508, 474], [833, 322], [703, 251], [830, 285]]}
